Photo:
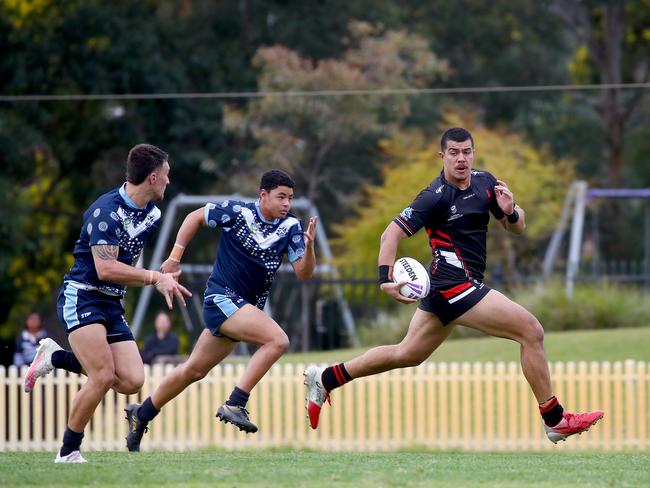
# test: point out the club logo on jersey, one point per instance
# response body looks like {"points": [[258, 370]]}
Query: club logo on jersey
{"points": [[127, 222], [453, 209], [407, 212], [282, 231]]}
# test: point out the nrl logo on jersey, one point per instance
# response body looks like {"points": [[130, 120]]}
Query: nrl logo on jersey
{"points": [[407, 212]]}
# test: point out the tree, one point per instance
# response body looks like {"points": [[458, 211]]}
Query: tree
{"points": [[613, 47], [313, 137], [538, 181]]}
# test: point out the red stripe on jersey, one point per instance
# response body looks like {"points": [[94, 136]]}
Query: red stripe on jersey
{"points": [[442, 234], [437, 242], [403, 222], [456, 290]]}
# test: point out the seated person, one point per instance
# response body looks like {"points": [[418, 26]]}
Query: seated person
{"points": [[163, 342], [28, 339]]}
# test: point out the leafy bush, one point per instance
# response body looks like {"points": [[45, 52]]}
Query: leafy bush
{"points": [[593, 306]]}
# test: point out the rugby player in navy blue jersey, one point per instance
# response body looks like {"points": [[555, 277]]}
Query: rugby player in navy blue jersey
{"points": [[255, 238], [115, 228], [455, 209]]}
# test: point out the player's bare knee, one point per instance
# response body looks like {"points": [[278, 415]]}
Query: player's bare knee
{"points": [[193, 373], [102, 379], [406, 358], [282, 344], [129, 386], [533, 332]]}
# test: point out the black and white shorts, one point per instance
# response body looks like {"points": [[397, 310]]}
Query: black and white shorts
{"points": [[450, 303]]}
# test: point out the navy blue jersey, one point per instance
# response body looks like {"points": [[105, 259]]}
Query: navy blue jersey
{"points": [[114, 220], [456, 222], [251, 248]]}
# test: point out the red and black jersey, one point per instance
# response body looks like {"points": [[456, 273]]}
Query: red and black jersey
{"points": [[456, 222]]}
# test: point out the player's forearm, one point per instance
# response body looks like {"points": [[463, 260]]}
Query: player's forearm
{"points": [[190, 226], [389, 243], [519, 226], [305, 266], [122, 274]]}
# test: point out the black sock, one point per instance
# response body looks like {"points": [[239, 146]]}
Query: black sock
{"points": [[238, 397], [147, 411], [66, 360], [552, 412], [335, 376], [71, 441]]}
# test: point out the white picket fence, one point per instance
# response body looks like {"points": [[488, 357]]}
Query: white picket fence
{"points": [[463, 406]]}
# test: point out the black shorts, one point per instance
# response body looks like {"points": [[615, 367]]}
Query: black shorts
{"points": [[450, 303]]}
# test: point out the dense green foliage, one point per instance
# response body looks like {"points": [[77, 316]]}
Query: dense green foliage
{"points": [[315, 469], [57, 157]]}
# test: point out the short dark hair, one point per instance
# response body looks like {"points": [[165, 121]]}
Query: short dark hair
{"points": [[456, 134], [274, 178], [143, 160]]}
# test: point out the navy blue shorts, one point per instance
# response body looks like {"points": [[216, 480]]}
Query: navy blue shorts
{"points": [[76, 308], [453, 301], [220, 303]]}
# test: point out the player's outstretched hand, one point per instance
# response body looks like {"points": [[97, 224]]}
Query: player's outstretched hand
{"points": [[170, 266], [505, 199], [169, 287], [310, 233], [392, 289]]}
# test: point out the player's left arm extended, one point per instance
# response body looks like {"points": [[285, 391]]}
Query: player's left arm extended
{"points": [[515, 218], [304, 267]]}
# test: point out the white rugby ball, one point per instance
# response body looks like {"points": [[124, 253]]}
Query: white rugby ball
{"points": [[416, 277]]}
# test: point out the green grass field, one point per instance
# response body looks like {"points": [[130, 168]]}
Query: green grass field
{"points": [[310, 469], [591, 345]]}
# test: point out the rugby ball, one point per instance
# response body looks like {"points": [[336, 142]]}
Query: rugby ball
{"points": [[416, 277]]}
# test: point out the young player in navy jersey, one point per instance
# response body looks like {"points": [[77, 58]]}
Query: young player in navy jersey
{"points": [[115, 228], [454, 210], [255, 238]]}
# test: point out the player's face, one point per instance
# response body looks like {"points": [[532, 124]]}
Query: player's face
{"points": [[159, 180], [277, 202], [457, 159]]}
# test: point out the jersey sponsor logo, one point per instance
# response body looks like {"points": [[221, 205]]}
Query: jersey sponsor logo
{"points": [[468, 196], [409, 270], [407, 213]]}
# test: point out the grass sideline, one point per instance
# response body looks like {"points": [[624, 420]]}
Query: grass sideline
{"points": [[314, 469], [588, 345]]}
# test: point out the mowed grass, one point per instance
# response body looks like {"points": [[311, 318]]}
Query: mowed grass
{"points": [[590, 345], [301, 468], [311, 469]]}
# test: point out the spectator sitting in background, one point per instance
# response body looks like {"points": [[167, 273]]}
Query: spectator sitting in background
{"points": [[162, 342], [27, 341]]}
